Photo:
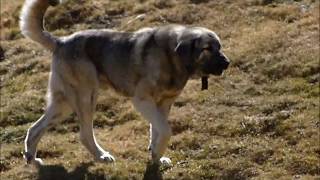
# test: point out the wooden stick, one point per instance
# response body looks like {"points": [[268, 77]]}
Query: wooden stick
{"points": [[204, 81]]}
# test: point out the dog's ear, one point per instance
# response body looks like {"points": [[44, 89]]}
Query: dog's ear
{"points": [[186, 50]]}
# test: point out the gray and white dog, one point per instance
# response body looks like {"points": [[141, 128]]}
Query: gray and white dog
{"points": [[151, 66]]}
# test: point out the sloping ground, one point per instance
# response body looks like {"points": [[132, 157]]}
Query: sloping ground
{"points": [[259, 121]]}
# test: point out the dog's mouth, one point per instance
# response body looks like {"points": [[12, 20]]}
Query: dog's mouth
{"points": [[204, 78], [218, 72]]}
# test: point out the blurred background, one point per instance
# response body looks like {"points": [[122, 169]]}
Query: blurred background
{"points": [[260, 120]]}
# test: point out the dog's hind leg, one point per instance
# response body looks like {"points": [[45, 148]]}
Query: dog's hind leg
{"points": [[81, 88], [57, 109], [85, 107]]}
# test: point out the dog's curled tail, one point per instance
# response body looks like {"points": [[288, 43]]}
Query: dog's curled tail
{"points": [[31, 22]]}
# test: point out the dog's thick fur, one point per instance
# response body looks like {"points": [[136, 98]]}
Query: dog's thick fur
{"points": [[151, 66]]}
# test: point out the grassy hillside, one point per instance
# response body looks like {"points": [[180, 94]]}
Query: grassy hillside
{"points": [[259, 121]]}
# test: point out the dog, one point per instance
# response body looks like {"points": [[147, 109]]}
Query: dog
{"points": [[151, 66]]}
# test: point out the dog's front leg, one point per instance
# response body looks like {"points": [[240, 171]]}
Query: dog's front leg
{"points": [[153, 137], [157, 116]]}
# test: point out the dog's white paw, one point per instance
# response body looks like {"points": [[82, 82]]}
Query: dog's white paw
{"points": [[38, 162], [31, 160], [166, 162], [106, 157]]}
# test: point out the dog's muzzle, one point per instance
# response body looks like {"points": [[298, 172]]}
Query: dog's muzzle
{"points": [[217, 70], [221, 66], [218, 66], [225, 64]]}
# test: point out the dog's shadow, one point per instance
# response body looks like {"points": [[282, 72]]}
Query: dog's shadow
{"points": [[152, 172], [54, 172]]}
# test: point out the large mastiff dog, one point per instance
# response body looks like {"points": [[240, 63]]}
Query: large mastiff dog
{"points": [[151, 66]]}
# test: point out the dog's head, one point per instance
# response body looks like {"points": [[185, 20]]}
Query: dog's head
{"points": [[200, 49]]}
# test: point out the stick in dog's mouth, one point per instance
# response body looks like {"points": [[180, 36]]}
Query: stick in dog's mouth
{"points": [[204, 83]]}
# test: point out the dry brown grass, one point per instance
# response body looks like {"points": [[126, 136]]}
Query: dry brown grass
{"points": [[259, 121]]}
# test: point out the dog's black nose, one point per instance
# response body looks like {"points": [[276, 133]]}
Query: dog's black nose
{"points": [[225, 63]]}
